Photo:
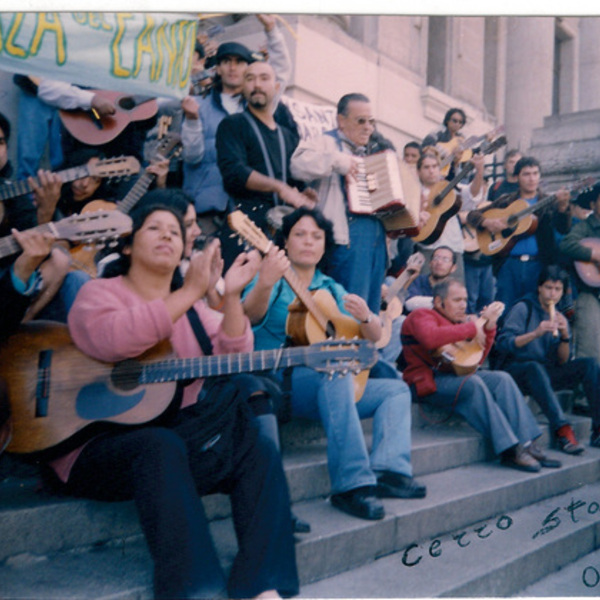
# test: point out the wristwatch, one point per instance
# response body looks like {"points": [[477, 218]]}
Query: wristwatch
{"points": [[368, 319]]}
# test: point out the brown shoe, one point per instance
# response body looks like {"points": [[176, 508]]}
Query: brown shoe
{"points": [[518, 458], [543, 459]]}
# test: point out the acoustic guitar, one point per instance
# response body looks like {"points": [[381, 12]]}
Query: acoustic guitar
{"points": [[102, 225], [89, 127], [84, 256], [465, 356], [392, 303], [465, 146], [59, 394], [121, 166], [521, 220], [445, 203], [588, 271], [313, 316]]}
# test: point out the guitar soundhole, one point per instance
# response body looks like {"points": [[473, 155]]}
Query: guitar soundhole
{"points": [[330, 330], [126, 375], [127, 103]]}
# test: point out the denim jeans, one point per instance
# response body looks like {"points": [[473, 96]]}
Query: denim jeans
{"points": [[491, 403], [360, 266], [479, 280], [38, 125], [317, 396]]}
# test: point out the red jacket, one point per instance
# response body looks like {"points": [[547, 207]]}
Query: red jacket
{"points": [[424, 331]]}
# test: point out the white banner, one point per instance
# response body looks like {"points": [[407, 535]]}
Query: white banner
{"points": [[137, 53], [312, 119]]}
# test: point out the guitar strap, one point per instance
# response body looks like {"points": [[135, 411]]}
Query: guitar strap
{"points": [[199, 332], [267, 159]]}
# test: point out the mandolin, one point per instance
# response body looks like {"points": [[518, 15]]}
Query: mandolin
{"points": [[313, 316], [90, 128], [465, 356], [445, 203], [58, 394]]}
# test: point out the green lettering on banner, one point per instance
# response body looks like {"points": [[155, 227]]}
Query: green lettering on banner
{"points": [[117, 69], [53, 25], [166, 40]]}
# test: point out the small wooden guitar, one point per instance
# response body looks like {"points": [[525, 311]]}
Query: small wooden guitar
{"points": [[447, 149], [465, 356], [445, 203], [392, 302], [104, 226], [313, 316], [90, 128], [520, 220], [84, 256], [588, 271], [121, 166], [57, 393]]}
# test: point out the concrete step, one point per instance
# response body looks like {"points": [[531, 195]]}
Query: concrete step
{"points": [[497, 556], [580, 579], [457, 499], [25, 510]]}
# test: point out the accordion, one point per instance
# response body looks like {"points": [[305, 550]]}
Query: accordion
{"points": [[387, 189]]}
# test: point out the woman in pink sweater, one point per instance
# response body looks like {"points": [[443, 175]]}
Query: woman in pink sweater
{"points": [[211, 444]]}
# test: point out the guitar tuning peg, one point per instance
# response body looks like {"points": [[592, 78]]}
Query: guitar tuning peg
{"points": [[113, 243]]}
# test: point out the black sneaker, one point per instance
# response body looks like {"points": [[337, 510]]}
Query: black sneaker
{"points": [[360, 502], [396, 485]]}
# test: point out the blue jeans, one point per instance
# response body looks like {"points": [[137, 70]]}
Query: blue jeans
{"points": [[38, 125], [515, 279], [491, 403], [387, 401], [479, 280], [361, 265]]}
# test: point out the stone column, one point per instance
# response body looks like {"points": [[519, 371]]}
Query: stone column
{"points": [[589, 63], [529, 65]]}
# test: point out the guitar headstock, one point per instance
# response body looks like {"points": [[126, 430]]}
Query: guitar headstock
{"points": [[584, 185], [490, 147], [119, 166], [249, 231], [167, 145], [97, 226], [415, 262], [346, 356]]}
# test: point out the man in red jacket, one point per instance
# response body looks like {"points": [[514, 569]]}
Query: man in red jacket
{"points": [[490, 401]]}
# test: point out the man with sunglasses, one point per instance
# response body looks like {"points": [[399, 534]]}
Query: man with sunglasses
{"points": [[360, 256]]}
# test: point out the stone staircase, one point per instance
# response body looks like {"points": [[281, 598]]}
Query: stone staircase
{"points": [[483, 530]]}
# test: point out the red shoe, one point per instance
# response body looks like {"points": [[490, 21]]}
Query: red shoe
{"points": [[567, 442]]}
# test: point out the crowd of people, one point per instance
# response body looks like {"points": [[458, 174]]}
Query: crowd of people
{"points": [[510, 299]]}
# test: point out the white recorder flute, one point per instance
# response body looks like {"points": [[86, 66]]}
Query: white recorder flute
{"points": [[552, 312]]}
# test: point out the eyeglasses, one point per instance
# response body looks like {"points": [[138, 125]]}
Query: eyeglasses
{"points": [[364, 121], [444, 259], [455, 120]]}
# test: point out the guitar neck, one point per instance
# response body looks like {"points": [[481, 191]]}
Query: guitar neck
{"points": [[452, 184], [9, 246], [305, 297], [136, 192], [223, 364], [22, 187]]}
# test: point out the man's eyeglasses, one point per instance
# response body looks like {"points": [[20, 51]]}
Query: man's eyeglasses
{"points": [[364, 121], [445, 259]]}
